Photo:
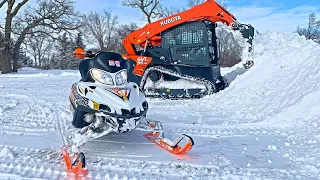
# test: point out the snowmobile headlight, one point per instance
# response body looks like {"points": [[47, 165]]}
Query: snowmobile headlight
{"points": [[102, 77], [121, 77]]}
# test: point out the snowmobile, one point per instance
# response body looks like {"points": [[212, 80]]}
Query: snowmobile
{"points": [[104, 102]]}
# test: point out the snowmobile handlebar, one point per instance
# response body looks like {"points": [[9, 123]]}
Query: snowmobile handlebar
{"points": [[80, 53]]}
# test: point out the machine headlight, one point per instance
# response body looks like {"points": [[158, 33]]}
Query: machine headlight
{"points": [[121, 77], [102, 77]]}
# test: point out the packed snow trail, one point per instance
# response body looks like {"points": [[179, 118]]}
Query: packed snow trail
{"points": [[266, 125]]}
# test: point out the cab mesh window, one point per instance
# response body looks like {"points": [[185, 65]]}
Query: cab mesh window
{"points": [[183, 35], [188, 43]]}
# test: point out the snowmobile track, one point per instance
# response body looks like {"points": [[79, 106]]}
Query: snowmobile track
{"points": [[99, 161], [61, 129], [32, 163], [47, 164], [22, 115], [221, 131]]}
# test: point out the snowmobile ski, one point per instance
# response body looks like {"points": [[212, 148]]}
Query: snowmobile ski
{"points": [[174, 147], [78, 166]]}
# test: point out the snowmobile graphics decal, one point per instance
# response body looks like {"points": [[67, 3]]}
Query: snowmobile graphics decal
{"points": [[114, 63], [81, 90], [123, 93], [171, 20], [95, 105], [161, 143], [72, 99]]}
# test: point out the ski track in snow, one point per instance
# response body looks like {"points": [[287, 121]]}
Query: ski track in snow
{"points": [[266, 125]]}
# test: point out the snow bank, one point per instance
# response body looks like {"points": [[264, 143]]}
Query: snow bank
{"points": [[179, 84], [231, 73], [6, 152], [287, 69], [28, 72], [286, 76], [70, 74]]}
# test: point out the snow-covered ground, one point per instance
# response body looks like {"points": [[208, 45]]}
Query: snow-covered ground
{"points": [[265, 125]]}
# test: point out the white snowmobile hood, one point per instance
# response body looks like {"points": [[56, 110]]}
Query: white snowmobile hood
{"points": [[116, 98]]}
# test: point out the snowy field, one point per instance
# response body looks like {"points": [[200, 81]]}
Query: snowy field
{"points": [[265, 125]]}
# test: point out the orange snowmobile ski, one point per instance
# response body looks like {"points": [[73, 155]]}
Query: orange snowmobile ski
{"points": [[78, 166], [172, 148]]}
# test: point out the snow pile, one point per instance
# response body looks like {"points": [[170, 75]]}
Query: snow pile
{"points": [[280, 93], [6, 152], [233, 72], [76, 73], [178, 84], [28, 72], [286, 76], [287, 71]]}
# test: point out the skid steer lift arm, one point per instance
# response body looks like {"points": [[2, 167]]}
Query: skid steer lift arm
{"points": [[209, 10]]}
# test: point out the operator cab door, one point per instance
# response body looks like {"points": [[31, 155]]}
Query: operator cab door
{"points": [[188, 44]]}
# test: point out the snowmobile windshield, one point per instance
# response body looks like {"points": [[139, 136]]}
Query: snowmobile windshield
{"points": [[106, 61]]}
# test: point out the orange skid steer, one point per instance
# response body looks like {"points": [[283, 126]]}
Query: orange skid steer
{"points": [[178, 56]]}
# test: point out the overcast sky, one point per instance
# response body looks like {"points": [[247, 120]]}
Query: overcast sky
{"points": [[274, 15]]}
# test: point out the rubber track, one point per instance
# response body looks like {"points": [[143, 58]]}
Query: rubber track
{"points": [[210, 88]]}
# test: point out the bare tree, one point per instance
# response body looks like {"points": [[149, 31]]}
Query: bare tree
{"points": [[24, 59], [312, 31], [11, 12], [54, 16], [230, 50], [122, 32], [150, 8], [62, 56], [169, 11], [101, 29], [39, 46], [192, 3], [1, 47], [1, 41], [49, 17], [125, 29]]}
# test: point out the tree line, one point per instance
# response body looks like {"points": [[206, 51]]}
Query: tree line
{"points": [[312, 29], [44, 35]]}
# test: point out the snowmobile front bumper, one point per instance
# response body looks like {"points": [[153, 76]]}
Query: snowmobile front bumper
{"points": [[125, 115], [128, 115]]}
